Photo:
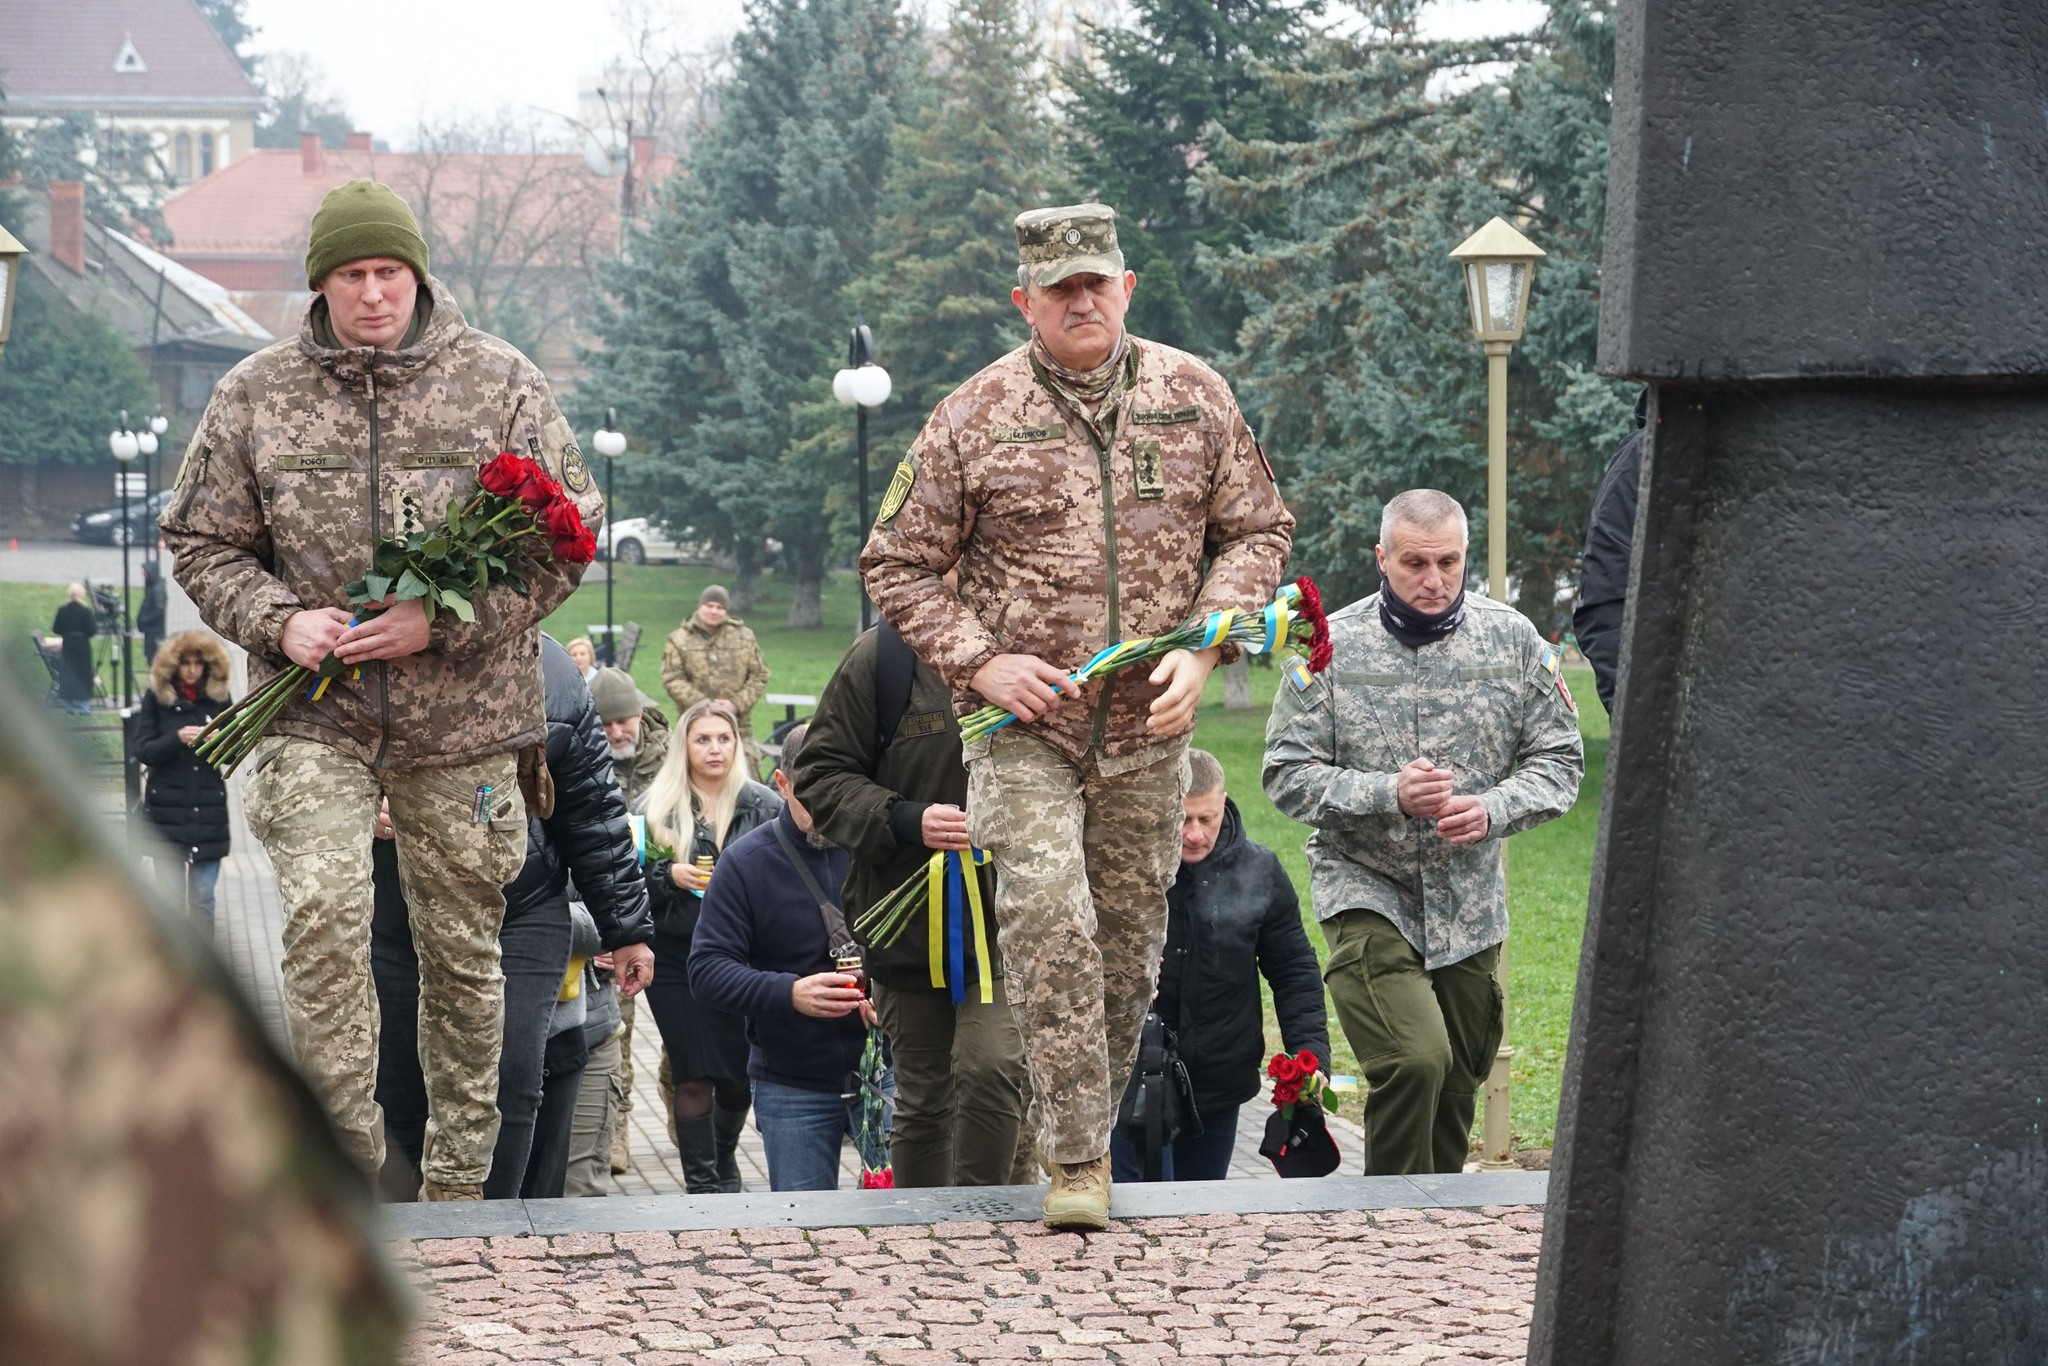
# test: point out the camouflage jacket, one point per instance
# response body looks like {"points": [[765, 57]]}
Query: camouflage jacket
{"points": [[637, 773], [305, 456], [696, 664], [1065, 546], [1488, 702]]}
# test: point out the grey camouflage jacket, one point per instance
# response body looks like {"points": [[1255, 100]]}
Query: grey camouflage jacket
{"points": [[305, 455], [1065, 545], [1489, 702]]}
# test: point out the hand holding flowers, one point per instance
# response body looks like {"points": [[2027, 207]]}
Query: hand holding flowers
{"points": [[1298, 1077]]}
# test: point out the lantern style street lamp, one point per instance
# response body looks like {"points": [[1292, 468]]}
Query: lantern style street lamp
{"points": [[609, 442], [125, 445], [1499, 263], [861, 386], [158, 425], [11, 252]]}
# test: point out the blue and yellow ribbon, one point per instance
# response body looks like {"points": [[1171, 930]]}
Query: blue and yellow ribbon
{"points": [[319, 688], [954, 909]]}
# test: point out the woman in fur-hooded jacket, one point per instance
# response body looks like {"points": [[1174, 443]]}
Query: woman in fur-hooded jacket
{"points": [[188, 686]]}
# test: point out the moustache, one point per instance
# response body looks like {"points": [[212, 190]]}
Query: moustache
{"points": [[1083, 321]]}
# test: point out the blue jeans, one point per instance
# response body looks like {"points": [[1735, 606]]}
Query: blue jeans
{"points": [[801, 1134], [203, 877], [1190, 1157]]}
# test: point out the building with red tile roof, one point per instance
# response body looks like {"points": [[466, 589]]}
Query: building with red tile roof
{"points": [[141, 66], [516, 235]]}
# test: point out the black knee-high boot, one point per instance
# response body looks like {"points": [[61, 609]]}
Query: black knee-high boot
{"points": [[697, 1143]]}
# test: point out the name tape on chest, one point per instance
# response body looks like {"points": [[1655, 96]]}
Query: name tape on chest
{"points": [[438, 460], [1017, 435], [311, 460], [1165, 417], [923, 723]]}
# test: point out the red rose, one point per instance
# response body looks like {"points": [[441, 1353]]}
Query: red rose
{"points": [[1287, 1093], [1291, 1070], [560, 519], [577, 548], [503, 474], [538, 491], [1273, 1067], [1308, 1060]]}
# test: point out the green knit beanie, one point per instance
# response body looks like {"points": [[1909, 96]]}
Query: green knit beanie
{"points": [[360, 220]]}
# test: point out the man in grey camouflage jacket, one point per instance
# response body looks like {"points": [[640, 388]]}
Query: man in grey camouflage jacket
{"points": [[1077, 483], [1441, 727], [364, 426]]}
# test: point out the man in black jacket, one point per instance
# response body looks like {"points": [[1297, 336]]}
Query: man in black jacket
{"points": [[584, 835], [881, 776], [763, 950], [1231, 915], [1603, 576]]}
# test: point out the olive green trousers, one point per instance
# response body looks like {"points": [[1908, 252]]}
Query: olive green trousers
{"points": [[1425, 1041]]}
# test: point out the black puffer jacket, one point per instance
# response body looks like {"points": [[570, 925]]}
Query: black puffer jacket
{"points": [[1229, 918], [186, 800], [587, 836]]}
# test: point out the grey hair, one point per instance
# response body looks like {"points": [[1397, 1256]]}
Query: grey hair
{"points": [[792, 746], [1024, 277], [1423, 509], [1205, 774]]}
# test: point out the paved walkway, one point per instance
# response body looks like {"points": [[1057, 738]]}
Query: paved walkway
{"points": [[1371, 1288]]}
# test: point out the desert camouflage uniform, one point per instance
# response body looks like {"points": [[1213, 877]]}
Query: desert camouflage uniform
{"points": [[697, 664], [306, 454], [1069, 536], [170, 1192], [1414, 922]]}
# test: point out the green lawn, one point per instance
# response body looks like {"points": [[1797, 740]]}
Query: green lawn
{"points": [[1548, 867]]}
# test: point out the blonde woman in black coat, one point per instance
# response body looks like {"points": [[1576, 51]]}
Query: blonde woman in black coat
{"points": [[183, 796]]}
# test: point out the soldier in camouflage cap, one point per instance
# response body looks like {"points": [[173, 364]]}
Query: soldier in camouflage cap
{"points": [[1442, 726], [1078, 484], [365, 426]]}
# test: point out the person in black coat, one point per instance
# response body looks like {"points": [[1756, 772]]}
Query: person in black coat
{"points": [[149, 617], [181, 794], [1603, 575], [1231, 915], [75, 625], [585, 836]]}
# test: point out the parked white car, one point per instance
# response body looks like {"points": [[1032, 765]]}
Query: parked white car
{"points": [[637, 540]]}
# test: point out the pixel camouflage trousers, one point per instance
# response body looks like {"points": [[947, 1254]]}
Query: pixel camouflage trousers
{"points": [[315, 809], [1083, 859]]}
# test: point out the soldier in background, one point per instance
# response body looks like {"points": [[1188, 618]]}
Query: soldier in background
{"points": [[366, 426], [1078, 483], [714, 655], [1442, 726], [637, 730]]}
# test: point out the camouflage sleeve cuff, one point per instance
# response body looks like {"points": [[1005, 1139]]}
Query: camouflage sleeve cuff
{"points": [[1377, 794], [1497, 814]]}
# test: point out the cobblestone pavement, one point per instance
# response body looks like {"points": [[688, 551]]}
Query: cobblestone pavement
{"points": [[1377, 1288]]}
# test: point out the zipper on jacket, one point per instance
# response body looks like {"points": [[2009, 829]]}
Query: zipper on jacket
{"points": [[376, 535], [1102, 453]]}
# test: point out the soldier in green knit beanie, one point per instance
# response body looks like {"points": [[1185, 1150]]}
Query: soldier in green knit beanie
{"points": [[362, 242]]}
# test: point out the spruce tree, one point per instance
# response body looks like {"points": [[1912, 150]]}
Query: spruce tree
{"points": [[975, 149], [1148, 111], [727, 312], [1357, 357]]}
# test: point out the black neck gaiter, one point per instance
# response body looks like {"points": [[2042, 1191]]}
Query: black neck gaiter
{"points": [[1417, 629]]}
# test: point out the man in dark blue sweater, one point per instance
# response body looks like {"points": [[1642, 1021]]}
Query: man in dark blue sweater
{"points": [[761, 951]]}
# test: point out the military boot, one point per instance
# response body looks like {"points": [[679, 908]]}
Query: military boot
{"points": [[697, 1145], [729, 1124], [1079, 1199], [432, 1190], [622, 1148]]}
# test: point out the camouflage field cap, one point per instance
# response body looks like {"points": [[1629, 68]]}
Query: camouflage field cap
{"points": [[1079, 239]]}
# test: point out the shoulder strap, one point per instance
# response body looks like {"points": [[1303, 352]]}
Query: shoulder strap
{"points": [[837, 937], [895, 673]]}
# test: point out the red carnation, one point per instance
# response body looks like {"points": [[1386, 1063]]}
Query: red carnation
{"points": [[882, 1180], [1311, 610]]}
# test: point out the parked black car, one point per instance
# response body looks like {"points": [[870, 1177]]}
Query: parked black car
{"points": [[102, 526]]}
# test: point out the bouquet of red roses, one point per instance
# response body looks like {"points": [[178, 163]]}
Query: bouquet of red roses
{"points": [[1291, 1075], [518, 516], [1297, 1141]]}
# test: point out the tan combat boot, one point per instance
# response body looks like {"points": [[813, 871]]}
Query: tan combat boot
{"points": [[1080, 1195], [432, 1190], [622, 1154]]}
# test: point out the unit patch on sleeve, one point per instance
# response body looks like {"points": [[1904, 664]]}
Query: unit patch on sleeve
{"points": [[898, 492]]}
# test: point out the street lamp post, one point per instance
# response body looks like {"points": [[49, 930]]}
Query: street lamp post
{"points": [[158, 425], [125, 445], [1499, 263], [861, 386], [609, 442], [11, 252]]}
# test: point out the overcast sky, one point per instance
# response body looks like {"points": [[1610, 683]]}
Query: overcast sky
{"points": [[394, 62]]}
